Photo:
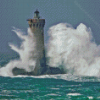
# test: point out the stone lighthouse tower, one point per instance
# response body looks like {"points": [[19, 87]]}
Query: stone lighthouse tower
{"points": [[37, 27], [38, 54]]}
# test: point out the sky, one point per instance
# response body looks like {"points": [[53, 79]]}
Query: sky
{"points": [[14, 13]]}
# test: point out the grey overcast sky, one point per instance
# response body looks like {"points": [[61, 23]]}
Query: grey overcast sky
{"points": [[16, 12]]}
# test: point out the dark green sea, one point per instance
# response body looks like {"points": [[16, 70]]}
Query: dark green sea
{"points": [[49, 88]]}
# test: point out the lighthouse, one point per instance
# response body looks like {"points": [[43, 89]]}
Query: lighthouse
{"points": [[37, 27]]}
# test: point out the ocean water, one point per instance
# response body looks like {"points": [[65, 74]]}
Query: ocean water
{"points": [[49, 87], [43, 88]]}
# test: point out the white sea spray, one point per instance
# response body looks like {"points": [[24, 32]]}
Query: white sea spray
{"points": [[26, 52], [74, 49]]}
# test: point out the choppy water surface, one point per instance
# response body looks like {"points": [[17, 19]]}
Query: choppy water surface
{"points": [[32, 88]]}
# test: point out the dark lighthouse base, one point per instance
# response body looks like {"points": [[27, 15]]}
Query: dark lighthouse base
{"points": [[49, 71]]}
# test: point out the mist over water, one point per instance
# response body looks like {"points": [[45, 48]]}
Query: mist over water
{"points": [[74, 50]]}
